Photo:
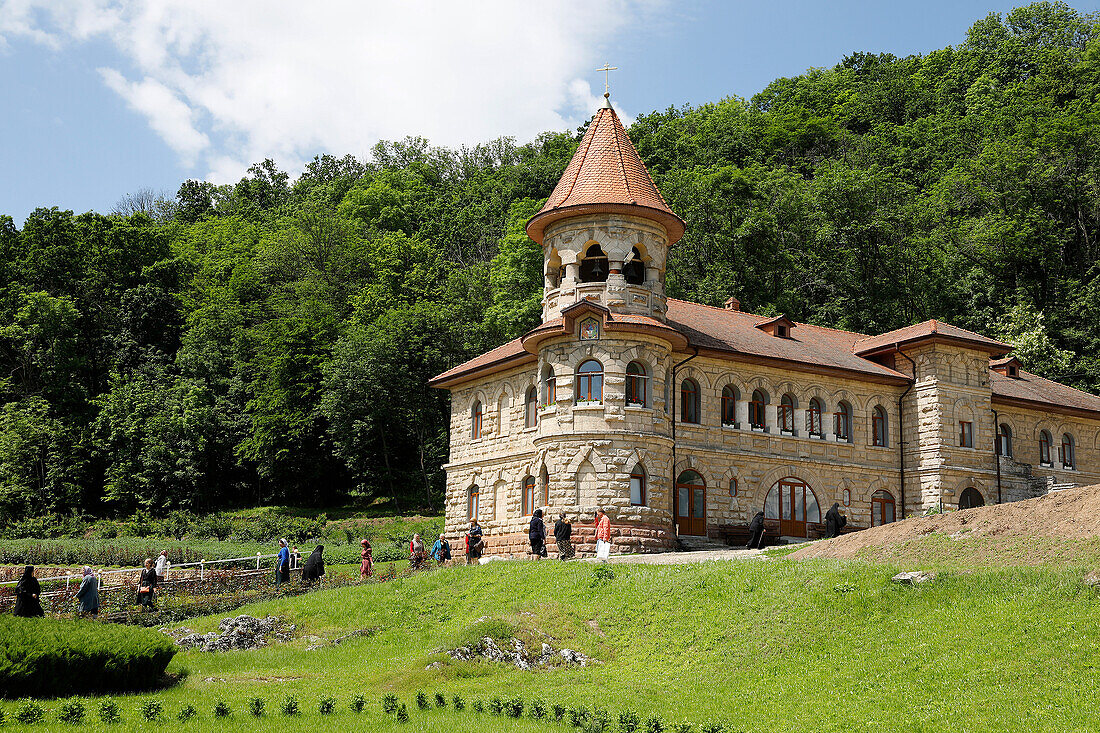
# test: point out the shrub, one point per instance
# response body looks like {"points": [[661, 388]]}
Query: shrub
{"points": [[256, 707], [3, 718], [327, 706], [559, 712], [422, 700], [151, 709], [186, 713], [628, 721], [29, 713], [290, 705], [578, 716], [711, 727], [654, 724], [496, 706], [47, 657], [389, 704], [221, 709], [514, 707], [601, 719], [458, 702], [479, 706], [683, 727], [602, 574], [440, 700], [538, 709], [109, 712], [402, 714], [71, 712], [357, 704]]}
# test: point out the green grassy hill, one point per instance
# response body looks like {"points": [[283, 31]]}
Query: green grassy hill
{"points": [[759, 646]]}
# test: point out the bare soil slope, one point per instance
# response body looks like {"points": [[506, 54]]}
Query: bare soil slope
{"points": [[1061, 528]]}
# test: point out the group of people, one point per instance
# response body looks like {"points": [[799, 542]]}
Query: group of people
{"points": [[288, 558], [536, 534]]}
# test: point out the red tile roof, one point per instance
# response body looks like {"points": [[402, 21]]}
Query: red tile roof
{"points": [[736, 332], [606, 174], [929, 330], [509, 354], [1028, 387]]}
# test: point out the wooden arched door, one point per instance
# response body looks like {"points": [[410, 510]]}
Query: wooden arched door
{"points": [[691, 504], [794, 504]]}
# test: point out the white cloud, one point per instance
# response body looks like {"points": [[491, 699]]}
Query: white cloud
{"points": [[227, 83]]}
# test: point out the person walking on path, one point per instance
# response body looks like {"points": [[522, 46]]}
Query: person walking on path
{"points": [[282, 564], [162, 565], [603, 535], [441, 550], [88, 593], [27, 591], [417, 554], [315, 566], [536, 533], [756, 532], [834, 521], [475, 543], [366, 567], [147, 587], [563, 531]]}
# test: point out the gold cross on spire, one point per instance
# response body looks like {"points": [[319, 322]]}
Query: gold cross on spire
{"points": [[607, 69]]}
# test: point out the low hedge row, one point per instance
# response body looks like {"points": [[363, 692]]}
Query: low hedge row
{"points": [[47, 657]]}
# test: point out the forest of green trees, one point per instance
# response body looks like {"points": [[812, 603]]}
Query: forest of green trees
{"points": [[271, 342]]}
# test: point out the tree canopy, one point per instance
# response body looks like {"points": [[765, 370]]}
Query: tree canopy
{"points": [[271, 341]]}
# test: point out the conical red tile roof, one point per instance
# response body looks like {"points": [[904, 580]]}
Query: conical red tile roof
{"points": [[606, 175]]}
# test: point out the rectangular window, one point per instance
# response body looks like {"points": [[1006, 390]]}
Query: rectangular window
{"points": [[966, 434], [729, 410], [843, 426], [636, 389], [1044, 451], [813, 420], [786, 418], [878, 430]]}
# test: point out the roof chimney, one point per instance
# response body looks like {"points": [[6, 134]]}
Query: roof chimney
{"points": [[732, 304]]}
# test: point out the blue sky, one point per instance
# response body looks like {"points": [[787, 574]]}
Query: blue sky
{"points": [[104, 98]]}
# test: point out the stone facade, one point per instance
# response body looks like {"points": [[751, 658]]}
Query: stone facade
{"points": [[529, 429]]}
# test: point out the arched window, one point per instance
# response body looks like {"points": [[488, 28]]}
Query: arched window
{"points": [[634, 269], [472, 503], [549, 386], [971, 498], [590, 381], [786, 414], [757, 419], [637, 485], [882, 508], [1004, 440], [878, 426], [637, 384], [842, 422], [1045, 442], [594, 267], [813, 418], [689, 401], [729, 405], [1068, 459], [531, 408], [504, 405], [475, 420], [528, 495], [545, 476]]}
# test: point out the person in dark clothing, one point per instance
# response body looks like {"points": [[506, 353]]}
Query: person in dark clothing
{"points": [[314, 567], [88, 594], [147, 587], [756, 532], [475, 543], [27, 591], [834, 521], [537, 534], [563, 532], [282, 564]]}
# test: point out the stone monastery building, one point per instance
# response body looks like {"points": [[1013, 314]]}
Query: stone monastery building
{"points": [[682, 418]]}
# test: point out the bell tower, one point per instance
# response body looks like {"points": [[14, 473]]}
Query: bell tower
{"points": [[605, 230]]}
